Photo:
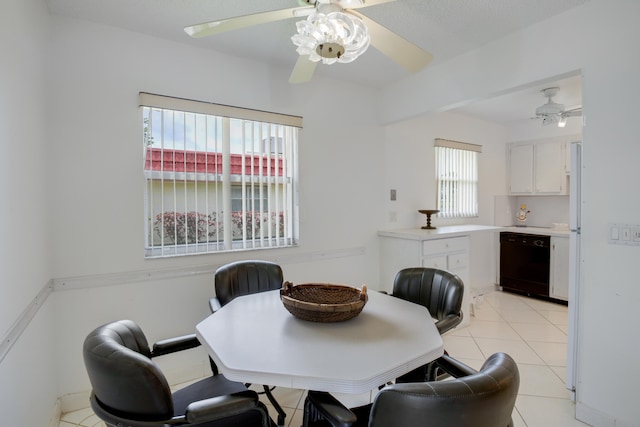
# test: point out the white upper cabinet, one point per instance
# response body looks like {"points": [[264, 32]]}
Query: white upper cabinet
{"points": [[521, 169], [549, 176], [537, 168]]}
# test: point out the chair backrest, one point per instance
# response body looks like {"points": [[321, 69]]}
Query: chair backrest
{"points": [[246, 277], [438, 290], [124, 379], [484, 399]]}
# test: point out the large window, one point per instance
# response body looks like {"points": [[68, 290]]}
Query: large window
{"points": [[217, 178], [457, 178]]}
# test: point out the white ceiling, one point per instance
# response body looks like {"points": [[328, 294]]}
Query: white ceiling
{"points": [[445, 28], [521, 105]]}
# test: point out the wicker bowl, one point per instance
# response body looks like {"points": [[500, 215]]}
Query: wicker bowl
{"points": [[323, 302]]}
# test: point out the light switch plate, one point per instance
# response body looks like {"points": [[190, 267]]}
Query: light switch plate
{"points": [[624, 234]]}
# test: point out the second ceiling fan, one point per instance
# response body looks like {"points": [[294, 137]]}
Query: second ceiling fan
{"points": [[332, 31], [553, 113]]}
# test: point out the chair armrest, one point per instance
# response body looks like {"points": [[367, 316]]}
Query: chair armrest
{"points": [[214, 304], [449, 322], [330, 409], [221, 407], [173, 345]]}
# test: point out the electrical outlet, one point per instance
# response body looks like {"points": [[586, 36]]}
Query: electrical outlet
{"points": [[635, 234]]}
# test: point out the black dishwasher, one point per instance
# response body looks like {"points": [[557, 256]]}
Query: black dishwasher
{"points": [[524, 263]]}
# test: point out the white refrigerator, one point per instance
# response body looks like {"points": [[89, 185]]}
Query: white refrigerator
{"points": [[575, 204]]}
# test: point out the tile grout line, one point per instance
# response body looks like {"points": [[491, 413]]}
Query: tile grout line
{"points": [[527, 341]]}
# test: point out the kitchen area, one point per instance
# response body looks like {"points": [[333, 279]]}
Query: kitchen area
{"points": [[539, 215], [529, 249], [529, 237]]}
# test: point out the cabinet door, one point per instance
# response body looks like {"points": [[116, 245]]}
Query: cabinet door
{"points": [[559, 274], [549, 168], [521, 169]]}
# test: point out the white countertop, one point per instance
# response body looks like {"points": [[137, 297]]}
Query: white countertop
{"points": [[537, 230], [438, 233], [464, 230]]}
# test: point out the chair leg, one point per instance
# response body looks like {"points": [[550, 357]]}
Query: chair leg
{"points": [[276, 405]]}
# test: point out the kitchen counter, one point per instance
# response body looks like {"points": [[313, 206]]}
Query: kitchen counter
{"points": [[446, 248], [438, 233], [464, 230], [537, 230]]}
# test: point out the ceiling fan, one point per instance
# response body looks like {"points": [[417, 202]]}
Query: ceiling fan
{"points": [[333, 31], [554, 113]]}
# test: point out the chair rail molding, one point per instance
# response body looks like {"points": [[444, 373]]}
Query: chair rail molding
{"points": [[110, 279], [10, 337]]}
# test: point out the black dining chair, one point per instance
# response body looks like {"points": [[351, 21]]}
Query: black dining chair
{"points": [[484, 398], [243, 278], [129, 389], [440, 292]]}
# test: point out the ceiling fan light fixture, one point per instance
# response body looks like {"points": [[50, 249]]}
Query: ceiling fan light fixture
{"points": [[550, 108], [331, 37], [562, 122]]}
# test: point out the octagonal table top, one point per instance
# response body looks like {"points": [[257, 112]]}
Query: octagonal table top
{"points": [[254, 339]]}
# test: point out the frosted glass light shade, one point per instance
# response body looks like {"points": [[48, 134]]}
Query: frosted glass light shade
{"points": [[332, 37]]}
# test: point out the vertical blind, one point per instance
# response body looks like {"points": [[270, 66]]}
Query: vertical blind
{"points": [[456, 178], [217, 182]]}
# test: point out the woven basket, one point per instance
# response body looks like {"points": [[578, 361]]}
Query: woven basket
{"points": [[323, 302]]}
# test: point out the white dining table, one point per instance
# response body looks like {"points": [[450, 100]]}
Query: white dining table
{"points": [[254, 339]]}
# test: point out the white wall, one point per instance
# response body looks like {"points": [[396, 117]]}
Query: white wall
{"points": [[599, 39], [97, 181], [410, 170], [27, 374], [95, 185], [410, 165]]}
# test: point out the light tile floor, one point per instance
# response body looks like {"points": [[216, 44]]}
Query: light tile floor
{"points": [[533, 332]]}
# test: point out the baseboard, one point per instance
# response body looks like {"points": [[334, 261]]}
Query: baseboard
{"points": [[477, 297], [54, 421], [594, 418], [74, 402], [478, 291]]}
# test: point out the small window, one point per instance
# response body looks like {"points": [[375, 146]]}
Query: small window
{"points": [[256, 199], [457, 178], [217, 183]]}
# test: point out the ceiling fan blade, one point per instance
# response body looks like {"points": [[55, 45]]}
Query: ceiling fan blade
{"points": [[400, 50], [303, 70], [572, 112], [229, 24]]}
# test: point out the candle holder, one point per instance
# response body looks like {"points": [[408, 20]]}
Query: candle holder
{"points": [[428, 213]]}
